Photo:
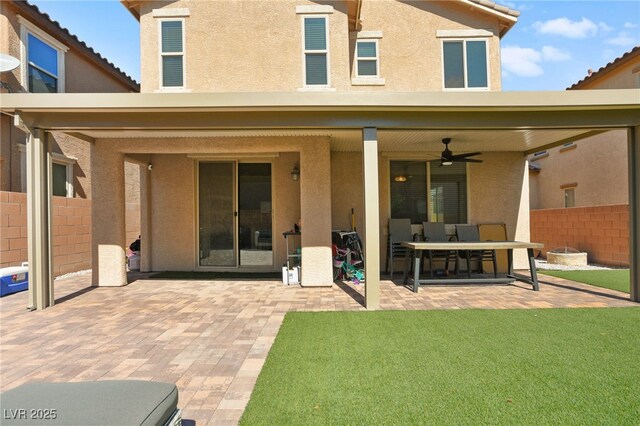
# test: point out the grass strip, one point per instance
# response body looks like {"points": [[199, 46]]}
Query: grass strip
{"points": [[549, 366]]}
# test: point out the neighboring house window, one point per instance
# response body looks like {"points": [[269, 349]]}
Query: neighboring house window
{"points": [[447, 189], [316, 51], [465, 64], [367, 57], [61, 173], [172, 54], [42, 60], [569, 197], [61, 179]]}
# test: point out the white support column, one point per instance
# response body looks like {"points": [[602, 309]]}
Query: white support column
{"points": [[108, 230], [145, 219], [371, 218], [39, 221], [634, 211]]}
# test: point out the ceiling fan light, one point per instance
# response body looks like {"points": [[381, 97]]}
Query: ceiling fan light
{"points": [[446, 162], [400, 178]]}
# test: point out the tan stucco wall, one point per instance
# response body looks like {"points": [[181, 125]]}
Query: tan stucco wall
{"points": [[229, 49], [173, 193], [598, 165], [347, 191]]}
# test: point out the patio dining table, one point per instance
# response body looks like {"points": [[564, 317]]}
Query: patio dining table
{"points": [[415, 250]]}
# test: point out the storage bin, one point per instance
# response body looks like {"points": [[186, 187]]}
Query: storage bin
{"points": [[13, 279]]}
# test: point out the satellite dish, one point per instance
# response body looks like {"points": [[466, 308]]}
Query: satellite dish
{"points": [[8, 62]]}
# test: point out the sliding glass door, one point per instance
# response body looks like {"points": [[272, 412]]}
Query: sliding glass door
{"points": [[235, 214]]}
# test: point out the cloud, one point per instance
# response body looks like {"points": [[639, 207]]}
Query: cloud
{"points": [[521, 61], [604, 27], [623, 39], [629, 25], [565, 27], [550, 53]]}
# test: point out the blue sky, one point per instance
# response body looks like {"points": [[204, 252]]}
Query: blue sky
{"points": [[551, 47]]}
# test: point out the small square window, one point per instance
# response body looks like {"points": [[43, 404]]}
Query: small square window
{"points": [[367, 58]]}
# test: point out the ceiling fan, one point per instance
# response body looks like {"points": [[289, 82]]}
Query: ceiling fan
{"points": [[447, 158]]}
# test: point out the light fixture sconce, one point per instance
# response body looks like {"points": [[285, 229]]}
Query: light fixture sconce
{"points": [[150, 167], [295, 173]]}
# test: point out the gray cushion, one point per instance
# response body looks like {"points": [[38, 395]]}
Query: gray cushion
{"points": [[118, 402]]}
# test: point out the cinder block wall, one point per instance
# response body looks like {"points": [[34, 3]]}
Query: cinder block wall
{"points": [[71, 231], [601, 231]]}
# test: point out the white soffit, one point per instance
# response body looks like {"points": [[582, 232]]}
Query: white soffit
{"points": [[350, 140]]}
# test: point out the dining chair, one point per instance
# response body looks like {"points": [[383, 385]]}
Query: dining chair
{"points": [[399, 232], [436, 232], [470, 233]]}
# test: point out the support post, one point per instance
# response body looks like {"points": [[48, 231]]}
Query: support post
{"points": [[315, 211], [145, 219], [633, 141], [371, 218], [108, 230], [39, 220]]}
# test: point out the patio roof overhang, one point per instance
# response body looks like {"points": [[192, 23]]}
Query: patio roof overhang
{"points": [[518, 121], [514, 121]]}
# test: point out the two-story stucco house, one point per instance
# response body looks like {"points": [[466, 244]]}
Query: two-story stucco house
{"points": [[51, 61], [257, 115]]}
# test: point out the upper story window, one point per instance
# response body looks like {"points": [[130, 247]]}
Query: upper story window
{"points": [[465, 64], [172, 54], [42, 60], [367, 58], [316, 51]]}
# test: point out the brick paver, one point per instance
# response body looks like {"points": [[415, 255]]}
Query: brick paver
{"points": [[211, 338]]}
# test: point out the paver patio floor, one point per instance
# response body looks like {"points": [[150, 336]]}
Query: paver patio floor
{"points": [[211, 338]]}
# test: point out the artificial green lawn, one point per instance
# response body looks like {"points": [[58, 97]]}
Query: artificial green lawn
{"points": [[614, 279], [550, 366]]}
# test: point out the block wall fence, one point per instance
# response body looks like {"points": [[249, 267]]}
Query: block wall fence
{"points": [[71, 230], [601, 231]]}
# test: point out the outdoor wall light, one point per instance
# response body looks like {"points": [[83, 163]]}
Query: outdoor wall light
{"points": [[150, 167], [295, 173]]}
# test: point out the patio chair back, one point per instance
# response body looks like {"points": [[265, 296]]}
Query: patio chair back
{"points": [[467, 233], [399, 232], [470, 233], [434, 232]]}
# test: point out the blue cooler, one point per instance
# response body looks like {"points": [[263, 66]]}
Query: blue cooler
{"points": [[13, 279]]}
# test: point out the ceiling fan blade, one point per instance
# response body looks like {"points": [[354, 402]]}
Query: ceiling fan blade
{"points": [[469, 154], [466, 160]]}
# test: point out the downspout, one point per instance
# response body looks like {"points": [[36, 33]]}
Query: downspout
{"points": [[358, 21]]}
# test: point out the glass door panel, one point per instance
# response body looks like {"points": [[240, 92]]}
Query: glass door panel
{"points": [[217, 214], [255, 238]]}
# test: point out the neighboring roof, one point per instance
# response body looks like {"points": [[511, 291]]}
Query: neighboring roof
{"points": [[616, 63], [510, 16], [44, 21]]}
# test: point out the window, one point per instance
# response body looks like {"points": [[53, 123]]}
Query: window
{"points": [[42, 60], [61, 179], [61, 173], [367, 63], [447, 200], [172, 54], [316, 51], [465, 64], [42, 66], [570, 197]]}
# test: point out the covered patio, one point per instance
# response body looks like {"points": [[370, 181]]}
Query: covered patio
{"points": [[312, 127], [211, 338]]}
